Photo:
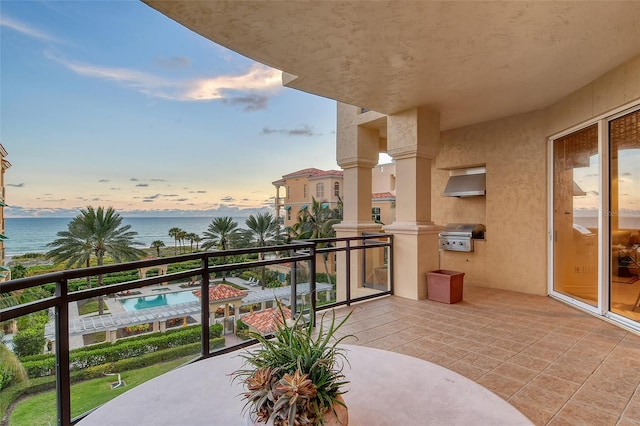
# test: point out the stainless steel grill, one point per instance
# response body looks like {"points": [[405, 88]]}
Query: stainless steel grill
{"points": [[460, 236]]}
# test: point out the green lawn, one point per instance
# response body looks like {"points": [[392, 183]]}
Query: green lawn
{"points": [[90, 307], [40, 409]]}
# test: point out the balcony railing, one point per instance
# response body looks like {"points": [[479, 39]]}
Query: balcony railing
{"points": [[353, 256]]}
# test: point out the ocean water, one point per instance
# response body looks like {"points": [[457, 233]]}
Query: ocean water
{"points": [[31, 235]]}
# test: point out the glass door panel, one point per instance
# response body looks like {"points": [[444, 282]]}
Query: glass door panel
{"points": [[624, 137], [576, 176]]}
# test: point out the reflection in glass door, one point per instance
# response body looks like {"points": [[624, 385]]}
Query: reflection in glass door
{"points": [[576, 178], [624, 139]]}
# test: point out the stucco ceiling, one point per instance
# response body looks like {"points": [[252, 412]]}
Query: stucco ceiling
{"points": [[473, 61]]}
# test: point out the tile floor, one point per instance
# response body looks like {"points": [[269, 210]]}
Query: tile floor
{"points": [[556, 364]]}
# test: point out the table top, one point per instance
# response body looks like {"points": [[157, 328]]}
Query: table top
{"points": [[386, 388]]}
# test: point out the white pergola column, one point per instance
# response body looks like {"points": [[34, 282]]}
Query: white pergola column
{"points": [[413, 138], [357, 154]]}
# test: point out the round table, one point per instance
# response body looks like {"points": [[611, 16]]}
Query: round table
{"points": [[386, 388]]}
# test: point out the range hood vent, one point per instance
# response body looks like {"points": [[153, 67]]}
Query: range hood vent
{"points": [[466, 182]]}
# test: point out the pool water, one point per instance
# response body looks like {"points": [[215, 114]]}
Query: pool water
{"points": [[138, 303]]}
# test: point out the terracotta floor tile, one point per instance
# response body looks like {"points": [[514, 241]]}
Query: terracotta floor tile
{"points": [[570, 372], [468, 370], [502, 386], [536, 413], [496, 353], [564, 389], [529, 362], [597, 398], [533, 396], [632, 411], [575, 413], [515, 372], [481, 361], [625, 421], [556, 364]]}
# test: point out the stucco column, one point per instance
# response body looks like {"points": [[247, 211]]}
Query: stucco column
{"points": [[357, 154], [413, 138]]}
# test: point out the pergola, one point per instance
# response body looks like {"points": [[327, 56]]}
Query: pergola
{"points": [[224, 295]]}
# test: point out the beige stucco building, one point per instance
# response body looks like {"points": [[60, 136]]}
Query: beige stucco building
{"points": [[296, 191], [544, 95], [5, 272]]}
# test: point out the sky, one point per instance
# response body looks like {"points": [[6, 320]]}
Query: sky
{"points": [[110, 103]]}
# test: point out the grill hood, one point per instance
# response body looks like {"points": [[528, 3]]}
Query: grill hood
{"points": [[466, 182]]}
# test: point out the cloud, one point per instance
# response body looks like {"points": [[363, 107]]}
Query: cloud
{"points": [[103, 180], [152, 197], [25, 29], [16, 185], [142, 185], [158, 180], [259, 77], [626, 174], [227, 199], [146, 200], [250, 102], [115, 189], [226, 88], [174, 62], [300, 131], [133, 180]]}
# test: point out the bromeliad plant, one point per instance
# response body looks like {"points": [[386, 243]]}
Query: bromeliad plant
{"points": [[296, 377]]}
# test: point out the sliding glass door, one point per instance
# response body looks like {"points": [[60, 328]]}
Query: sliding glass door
{"points": [[595, 217], [624, 190], [576, 176]]}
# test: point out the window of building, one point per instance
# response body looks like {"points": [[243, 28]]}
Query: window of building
{"points": [[289, 214], [288, 192], [336, 189], [304, 192], [375, 214], [319, 190]]}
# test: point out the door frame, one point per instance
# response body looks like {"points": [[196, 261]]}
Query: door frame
{"points": [[604, 208]]}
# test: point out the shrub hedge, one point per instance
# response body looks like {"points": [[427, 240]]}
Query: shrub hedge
{"points": [[136, 347]]}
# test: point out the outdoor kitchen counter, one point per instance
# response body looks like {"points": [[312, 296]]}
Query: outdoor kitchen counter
{"points": [[386, 388]]}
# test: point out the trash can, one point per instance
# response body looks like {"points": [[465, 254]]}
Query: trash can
{"points": [[445, 286]]}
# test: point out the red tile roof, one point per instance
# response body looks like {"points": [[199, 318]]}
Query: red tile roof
{"points": [[382, 195], [221, 292], [313, 172], [265, 321]]}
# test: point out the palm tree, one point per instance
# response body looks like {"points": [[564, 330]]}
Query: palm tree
{"points": [[157, 244], [193, 238], [173, 233], [220, 232], [95, 232], [263, 229], [317, 223], [196, 238], [181, 237]]}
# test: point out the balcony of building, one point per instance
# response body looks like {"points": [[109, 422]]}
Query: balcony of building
{"points": [[554, 363]]}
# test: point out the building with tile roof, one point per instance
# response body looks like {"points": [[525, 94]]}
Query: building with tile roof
{"points": [[302, 186], [224, 295], [266, 321]]}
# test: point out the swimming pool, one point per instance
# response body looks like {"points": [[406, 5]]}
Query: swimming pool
{"points": [[138, 303]]}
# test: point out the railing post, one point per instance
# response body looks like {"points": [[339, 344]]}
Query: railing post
{"points": [[63, 382], [294, 285], [390, 239], [348, 272], [204, 305], [312, 283]]}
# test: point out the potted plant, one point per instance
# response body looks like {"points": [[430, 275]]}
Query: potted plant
{"points": [[295, 378]]}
